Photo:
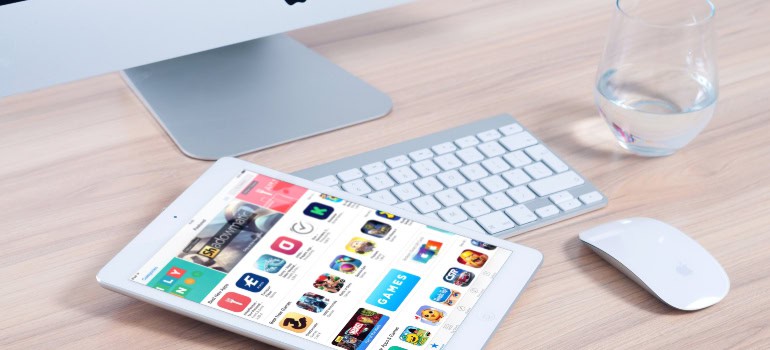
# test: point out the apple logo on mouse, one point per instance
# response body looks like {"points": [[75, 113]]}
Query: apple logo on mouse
{"points": [[292, 2], [683, 269]]}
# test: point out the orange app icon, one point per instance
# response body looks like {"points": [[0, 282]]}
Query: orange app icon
{"points": [[472, 258], [295, 322]]}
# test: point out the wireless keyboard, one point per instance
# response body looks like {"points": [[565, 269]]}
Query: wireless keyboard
{"points": [[491, 176]]}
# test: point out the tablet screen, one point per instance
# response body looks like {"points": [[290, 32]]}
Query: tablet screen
{"points": [[322, 268]]}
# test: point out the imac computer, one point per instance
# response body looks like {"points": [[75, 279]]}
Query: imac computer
{"points": [[218, 76]]}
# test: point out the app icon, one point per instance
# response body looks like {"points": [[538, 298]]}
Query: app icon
{"points": [[318, 211], [234, 302], [445, 296], [386, 215], [472, 258], [415, 336], [430, 315], [396, 348], [360, 246], [376, 228], [345, 264], [286, 245], [251, 282], [484, 245], [295, 322], [313, 302], [270, 264], [175, 272], [458, 277], [360, 329], [329, 283], [332, 199], [302, 227], [427, 251]]}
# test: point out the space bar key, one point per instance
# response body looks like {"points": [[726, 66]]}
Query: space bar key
{"points": [[556, 183]]}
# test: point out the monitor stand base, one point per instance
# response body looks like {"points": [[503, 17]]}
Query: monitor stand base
{"points": [[252, 95]]}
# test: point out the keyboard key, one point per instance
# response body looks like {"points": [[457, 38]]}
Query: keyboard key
{"points": [[428, 185], [329, 180], [546, 211], [495, 222], [475, 208], [471, 225], [498, 201], [540, 153], [474, 172], [495, 165], [452, 215], [421, 154], [556, 183], [449, 197], [518, 141], [406, 206], [521, 214], [451, 178], [383, 197], [426, 168], [403, 174], [406, 192], [426, 204], [374, 168], [511, 129], [350, 175], [537, 151], [433, 216], [591, 197], [569, 204], [444, 148], [516, 177], [494, 184], [380, 181], [468, 141], [469, 155], [356, 187], [559, 197], [555, 163], [489, 135], [521, 194], [472, 190], [397, 161], [448, 162], [517, 159], [538, 170], [491, 149]]}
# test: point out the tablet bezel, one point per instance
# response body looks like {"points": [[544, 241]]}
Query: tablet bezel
{"points": [[488, 312]]}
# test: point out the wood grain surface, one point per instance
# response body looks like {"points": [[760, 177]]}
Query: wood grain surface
{"points": [[85, 167]]}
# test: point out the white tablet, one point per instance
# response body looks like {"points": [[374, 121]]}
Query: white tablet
{"points": [[298, 265]]}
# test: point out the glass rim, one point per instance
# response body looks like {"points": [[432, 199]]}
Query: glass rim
{"points": [[698, 21]]}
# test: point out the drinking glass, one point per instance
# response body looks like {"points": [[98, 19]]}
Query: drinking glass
{"points": [[656, 86]]}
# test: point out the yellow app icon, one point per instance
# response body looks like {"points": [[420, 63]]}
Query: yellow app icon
{"points": [[295, 322], [209, 251]]}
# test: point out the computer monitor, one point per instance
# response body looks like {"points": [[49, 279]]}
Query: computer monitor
{"points": [[218, 76]]}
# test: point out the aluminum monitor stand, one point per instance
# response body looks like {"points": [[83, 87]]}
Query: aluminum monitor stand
{"points": [[252, 95]]}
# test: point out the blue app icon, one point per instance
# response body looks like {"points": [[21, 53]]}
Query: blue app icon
{"points": [[251, 282], [270, 264]]}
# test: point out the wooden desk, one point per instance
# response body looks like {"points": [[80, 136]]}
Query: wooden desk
{"points": [[85, 168]]}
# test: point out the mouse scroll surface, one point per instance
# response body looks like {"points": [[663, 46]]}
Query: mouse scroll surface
{"points": [[663, 260]]}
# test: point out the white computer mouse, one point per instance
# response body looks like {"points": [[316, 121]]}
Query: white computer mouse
{"points": [[665, 261]]}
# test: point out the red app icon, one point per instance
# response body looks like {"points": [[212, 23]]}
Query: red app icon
{"points": [[175, 272], [234, 302], [286, 245]]}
